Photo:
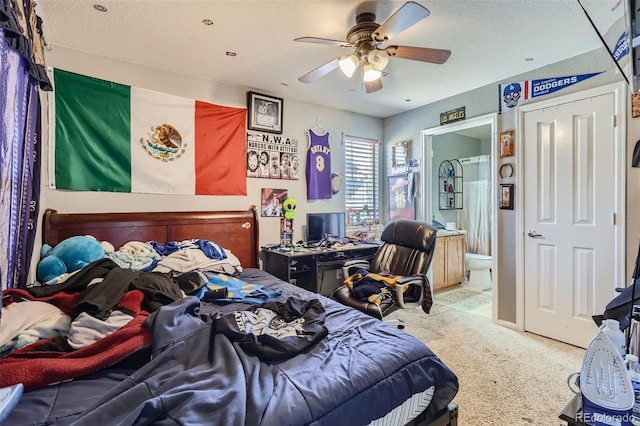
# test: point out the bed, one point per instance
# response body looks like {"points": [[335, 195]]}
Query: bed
{"points": [[180, 364]]}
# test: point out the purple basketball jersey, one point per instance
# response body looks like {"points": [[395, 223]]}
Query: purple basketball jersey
{"points": [[318, 167]]}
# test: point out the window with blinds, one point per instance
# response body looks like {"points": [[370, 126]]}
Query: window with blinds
{"points": [[362, 181]]}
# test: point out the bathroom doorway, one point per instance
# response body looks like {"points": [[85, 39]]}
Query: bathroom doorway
{"points": [[473, 143]]}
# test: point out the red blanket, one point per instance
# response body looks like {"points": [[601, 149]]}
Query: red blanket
{"points": [[34, 367]]}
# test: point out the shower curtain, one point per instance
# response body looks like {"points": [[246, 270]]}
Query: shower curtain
{"points": [[475, 215]]}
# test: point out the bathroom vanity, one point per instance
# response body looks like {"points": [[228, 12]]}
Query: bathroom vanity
{"points": [[448, 259]]}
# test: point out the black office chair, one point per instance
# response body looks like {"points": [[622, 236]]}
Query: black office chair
{"points": [[407, 251]]}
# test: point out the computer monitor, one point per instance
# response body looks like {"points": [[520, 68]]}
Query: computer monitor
{"points": [[319, 224]]}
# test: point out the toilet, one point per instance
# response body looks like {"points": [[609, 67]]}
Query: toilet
{"points": [[479, 267]]}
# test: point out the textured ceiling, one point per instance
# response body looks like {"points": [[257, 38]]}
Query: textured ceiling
{"points": [[489, 41]]}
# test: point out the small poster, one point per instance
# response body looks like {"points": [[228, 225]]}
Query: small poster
{"points": [[401, 202], [272, 200], [272, 157]]}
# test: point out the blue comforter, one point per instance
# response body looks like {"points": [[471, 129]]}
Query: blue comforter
{"points": [[360, 371]]}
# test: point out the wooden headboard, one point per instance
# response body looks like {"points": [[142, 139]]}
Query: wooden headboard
{"points": [[233, 230]]}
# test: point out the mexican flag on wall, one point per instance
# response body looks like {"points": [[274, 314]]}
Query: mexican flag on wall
{"points": [[112, 137]]}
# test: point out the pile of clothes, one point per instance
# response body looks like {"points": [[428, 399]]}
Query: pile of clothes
{"points": [[372, 287]]}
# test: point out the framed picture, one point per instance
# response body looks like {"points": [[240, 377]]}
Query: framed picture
{"points": [[506, 196], [399, 154], [271, 201], [401, 203], [507, 148], [264, 113]]}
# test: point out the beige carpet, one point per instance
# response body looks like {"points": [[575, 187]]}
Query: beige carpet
{"points": [[506, 377]]}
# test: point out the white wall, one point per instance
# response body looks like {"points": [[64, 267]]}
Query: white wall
{"points": [[297, 117]]}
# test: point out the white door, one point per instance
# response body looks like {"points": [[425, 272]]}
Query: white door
{"points": [[569, 244]]}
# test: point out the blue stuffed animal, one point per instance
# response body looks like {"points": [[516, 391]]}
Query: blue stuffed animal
{"points": [[67, 256]]}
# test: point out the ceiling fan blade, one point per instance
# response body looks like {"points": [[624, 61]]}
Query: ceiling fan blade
{"points": [[319, 40], [312, 76], [409, 14], [424, 54], [373, 86]]}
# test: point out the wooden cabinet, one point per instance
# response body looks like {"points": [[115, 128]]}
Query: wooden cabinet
{"points": [[448, 261]]}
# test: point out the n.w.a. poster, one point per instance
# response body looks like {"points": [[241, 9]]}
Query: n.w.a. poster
{"points": [[518, 93], [272, 156]]}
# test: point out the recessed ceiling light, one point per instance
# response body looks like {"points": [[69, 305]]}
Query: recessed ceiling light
{"points": [[528, 59], [207, 21], [230, 53], [407, 100], [99, 8]]}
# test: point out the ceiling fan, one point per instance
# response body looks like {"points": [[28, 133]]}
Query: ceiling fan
{"points": [[366, 36]]}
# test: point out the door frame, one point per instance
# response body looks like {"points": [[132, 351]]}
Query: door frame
{"points": [[619, 91], [426, 205]]}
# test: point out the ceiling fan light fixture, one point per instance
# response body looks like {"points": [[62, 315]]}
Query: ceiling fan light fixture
{"points": [[370, 74], [378, 59], [348, 64]]}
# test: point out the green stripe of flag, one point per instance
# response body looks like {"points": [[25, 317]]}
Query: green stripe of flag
{"points": [[90, 112]]}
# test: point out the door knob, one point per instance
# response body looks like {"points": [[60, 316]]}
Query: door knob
{"points": [[534, 234]]}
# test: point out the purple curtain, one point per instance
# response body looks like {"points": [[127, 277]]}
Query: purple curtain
{"points": [[22, 72], [19, 165]]}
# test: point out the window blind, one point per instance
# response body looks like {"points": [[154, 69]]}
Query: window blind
{"points": [[362, 182]]}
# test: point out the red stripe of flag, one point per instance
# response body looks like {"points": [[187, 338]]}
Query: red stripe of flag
{"points": [[220, 140]]}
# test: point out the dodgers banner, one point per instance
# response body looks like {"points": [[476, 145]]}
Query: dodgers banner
{"points": [[621, 49], [520, 92]]}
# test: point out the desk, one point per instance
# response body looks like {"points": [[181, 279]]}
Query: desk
{"points": [[314, 269]]}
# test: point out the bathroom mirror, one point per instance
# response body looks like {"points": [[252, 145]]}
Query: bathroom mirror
{"points": [[399, 154]]}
